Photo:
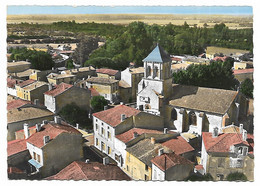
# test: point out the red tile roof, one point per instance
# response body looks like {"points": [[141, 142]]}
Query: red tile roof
{"points": [[17, 104], [94, 92], [16, 146], [16, 170], [175, 59], [58, 89], [113, 116], [25, 83], [12, 82], [199, 167], [170, 160], [223, 142], [129, 135], [178, 145], [52, 130], [243, 71], [110, 72], [218, 58], [78, 170]]}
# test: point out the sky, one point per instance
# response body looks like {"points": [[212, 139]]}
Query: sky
{"points": [[232, 10]]}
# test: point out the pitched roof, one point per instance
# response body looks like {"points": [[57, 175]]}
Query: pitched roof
{"points": [[56, 76], [145, 151], [178, 145], [18, 63], [124, 84], [158, 55], [16, 146], [25, 83], [243, 71], [100, 80], [35, 85], [129, 135], [17, 103], [203, 99], [231, 129], [138, 70], [94, 92], [78, 170], [222, 142], [25, 73], [169, 160], [58, 89], [110, 72], [27, 113], [52, 130], [12, 82], [113, 116]]}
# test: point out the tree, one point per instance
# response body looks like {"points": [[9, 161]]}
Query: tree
{"points": [[214, 75], [236, 176], [98, 103], [247, 88], [194, 177], [74, 114], [84, 48], [69, 64]]}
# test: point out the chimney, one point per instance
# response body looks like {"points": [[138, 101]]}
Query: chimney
{"points": [[152, 140], [160, 152], [215, 132], [38, 127], [105, 160], [13, 60], [44, 122], [52, 68], [241, 128], [105, 107], [121, 103], [244, 135], [46, 139], [135, 134], [87, 161], [50, 86], [122, 117], [36, 102], [26, 130], [57, 119], [77, 125], [165, 130]]}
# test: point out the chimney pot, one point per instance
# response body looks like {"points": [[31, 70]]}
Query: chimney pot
{"points": [[38, 127], [105, 107], [26, 130], [57, 119], [87, 161], [160, 152], [105, 160], [244, 135], [215, 132], [165, 130], [77, 125], [135, 134], [241, 128], [121, 103], [46, 139], [152, 140]]}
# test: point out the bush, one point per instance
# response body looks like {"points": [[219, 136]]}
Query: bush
{"points": [[247, 88], [74, 114], [194, 177], [98, 103], [236, 176]]}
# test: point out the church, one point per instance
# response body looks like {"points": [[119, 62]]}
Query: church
{"points": [[185, 108]]}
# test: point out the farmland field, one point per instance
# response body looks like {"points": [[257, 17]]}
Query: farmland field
{"points": [[232, 21]]}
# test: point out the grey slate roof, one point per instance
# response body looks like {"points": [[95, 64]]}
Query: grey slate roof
{"points": [[145, 151], [158, 55], [202, 99]]}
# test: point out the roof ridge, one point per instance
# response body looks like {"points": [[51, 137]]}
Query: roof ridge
{"points": [[81, 170], [220, 140]]}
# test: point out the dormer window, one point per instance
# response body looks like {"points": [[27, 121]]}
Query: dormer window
{"points": [[149, 71]]}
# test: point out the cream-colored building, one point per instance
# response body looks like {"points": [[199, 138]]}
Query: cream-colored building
{"points": [[55, 79], [81, 73]]}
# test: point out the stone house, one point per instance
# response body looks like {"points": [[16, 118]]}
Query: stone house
{"points": [[11, 89], [226, 153], [81, 73], [38, 75], [18, 103], [170, 167], [108, 88], [24, 75], [32, 92], [30, 115], [130, 77], [55, 79], [54, 146], [108, 73], [60, 95]]}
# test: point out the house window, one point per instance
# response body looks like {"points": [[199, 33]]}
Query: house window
{"points": [[221, 162], [127, 168], [149, 71], [174, 115], [96, 127], [102, 131], [108, 135], [245, 150], [38, 158], [96, 142], [108, 150], [117, 158], [146, 167], [34, 155], [103, 146], [240, 150], [192, 118], [220, 177], [156, 72], [96, 120], [129, 158], [146, 177]]}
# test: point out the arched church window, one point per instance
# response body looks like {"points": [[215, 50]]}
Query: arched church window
{"points": [[156, 72], [173, 114], [192, 118], [149, 71]]}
